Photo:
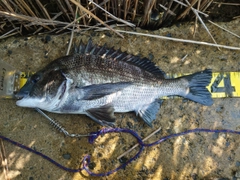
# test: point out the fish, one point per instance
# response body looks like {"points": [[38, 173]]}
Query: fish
{"points": [[99, 81]]}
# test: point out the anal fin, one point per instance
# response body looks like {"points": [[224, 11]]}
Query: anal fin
{"points": [[103, 115], [148, 112]]}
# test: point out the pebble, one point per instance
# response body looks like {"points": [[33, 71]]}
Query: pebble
{"points": [[219, 109], [238, 163], [92, 165], [215, 136], [237, 174], [66, 156], [123, 160]]}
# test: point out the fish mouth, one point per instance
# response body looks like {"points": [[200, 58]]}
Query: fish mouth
{"points": [[20, 95], [20, 98], [24, 91]]}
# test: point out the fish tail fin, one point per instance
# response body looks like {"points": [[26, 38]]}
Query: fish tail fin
{"points": [[197, 87]]}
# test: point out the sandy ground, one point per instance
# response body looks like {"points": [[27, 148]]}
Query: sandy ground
{"points": [[194, 156]]}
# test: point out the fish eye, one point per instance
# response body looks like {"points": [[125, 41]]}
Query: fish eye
{"points": [[35, 78]]}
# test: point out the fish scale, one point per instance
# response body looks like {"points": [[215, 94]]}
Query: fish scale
{"points": [[98, 81]]}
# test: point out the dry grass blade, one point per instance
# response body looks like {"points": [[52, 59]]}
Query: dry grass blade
{"points": [[112, 16], [196, 18], [167, 9], [147, 11], [34, 20], [39, 29], [43, 9], [186, 12], [7, 34], [28, 9], [180, 40], [200, 19], [7, 5], [183, 4], [134, 10], [207, 4], [63, 9], [3, 158], [44, 12], [69, 7], [95, 17], [230, 4], [224, 29], [72, 33]]}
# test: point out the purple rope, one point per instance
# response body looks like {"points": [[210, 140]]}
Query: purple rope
{"points": [[94, 135]]}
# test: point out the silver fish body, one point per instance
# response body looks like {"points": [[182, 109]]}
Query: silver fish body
{"points": [[98, 81]]}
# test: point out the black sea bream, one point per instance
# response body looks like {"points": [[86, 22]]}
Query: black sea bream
{"points": [[98, 81]]}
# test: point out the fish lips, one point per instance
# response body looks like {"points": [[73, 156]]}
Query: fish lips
{"points": [[24, 91]]}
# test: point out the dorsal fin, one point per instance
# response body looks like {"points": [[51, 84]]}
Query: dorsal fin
{"points": [[143, 63]]}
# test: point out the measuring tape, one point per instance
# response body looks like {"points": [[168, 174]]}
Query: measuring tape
{"points": [[224, 84]]}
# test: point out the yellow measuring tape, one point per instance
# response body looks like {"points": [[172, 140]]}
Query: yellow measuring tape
{"points": [[225, 84]]}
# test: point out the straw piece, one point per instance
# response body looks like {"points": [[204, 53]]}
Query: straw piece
{"points": [[136, 145]]}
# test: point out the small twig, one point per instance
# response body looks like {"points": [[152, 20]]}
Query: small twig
{"points": [[183, 59], [136, 145]]}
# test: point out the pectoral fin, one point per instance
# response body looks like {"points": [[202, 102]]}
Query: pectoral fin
{"points": [[97, 91], [148, 112], [103, 115]]}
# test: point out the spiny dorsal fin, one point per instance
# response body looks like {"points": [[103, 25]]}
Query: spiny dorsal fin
{"points": [[143, 63]]}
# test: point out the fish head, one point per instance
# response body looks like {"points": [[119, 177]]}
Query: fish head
{"points": [[42, 89]]}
